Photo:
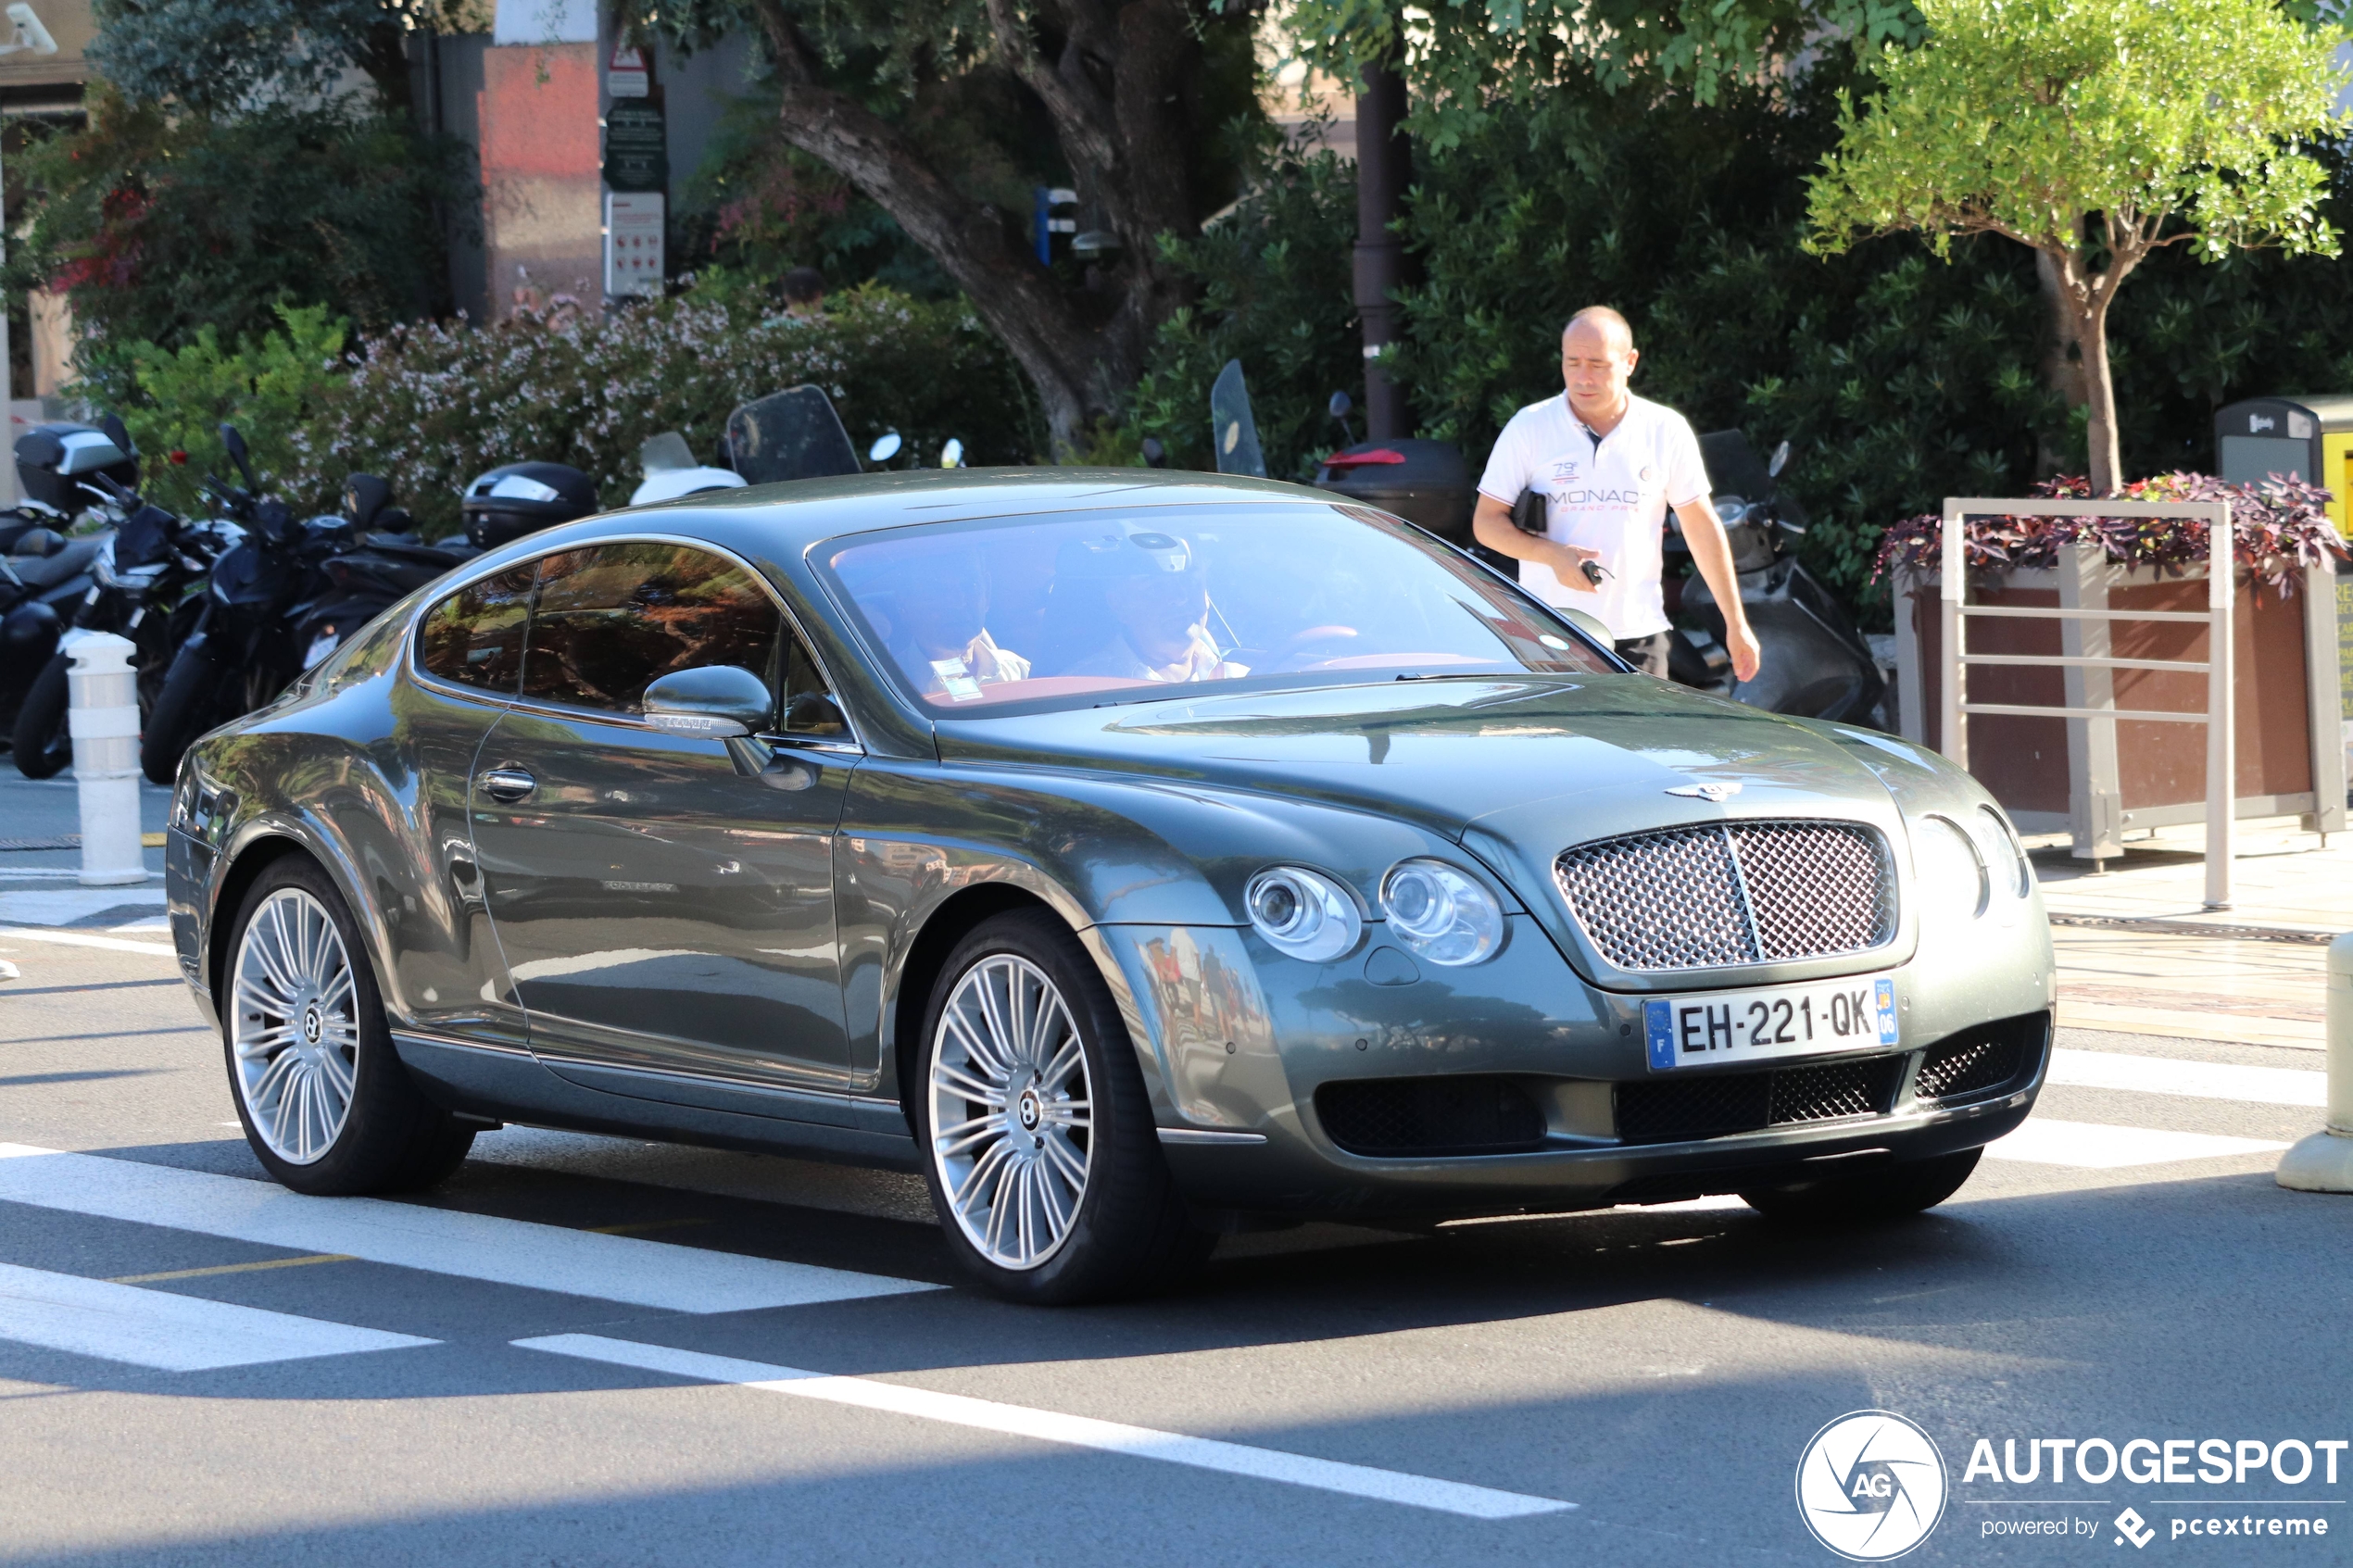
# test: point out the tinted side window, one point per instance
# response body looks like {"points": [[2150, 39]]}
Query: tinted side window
{"points": [[809, 707], [474, 637], [613, 619]]}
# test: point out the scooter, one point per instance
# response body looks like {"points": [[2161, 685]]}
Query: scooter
{"points": [[46, 576], [1815, 664], [243, 650], [367, 560], [142, 575]]}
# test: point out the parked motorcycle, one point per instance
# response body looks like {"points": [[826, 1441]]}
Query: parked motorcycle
{"points": [[141, 574], [1815, 664], [368, 559], [45, 577]]}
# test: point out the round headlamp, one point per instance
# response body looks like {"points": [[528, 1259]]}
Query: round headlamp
{"points": [[1442, 914], [1951, 871], [1303, 913], [2012, 870]]}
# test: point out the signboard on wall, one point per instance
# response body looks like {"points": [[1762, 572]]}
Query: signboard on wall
{"points": [[633, 243], [637, 147], [625, 73]]}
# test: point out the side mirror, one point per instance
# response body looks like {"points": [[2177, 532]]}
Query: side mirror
{"points": [[1780, 460], [234, 440], [952, 454], [1155, 454], [719, 700], [886, 447], [1585, 621], [1340, 406]]}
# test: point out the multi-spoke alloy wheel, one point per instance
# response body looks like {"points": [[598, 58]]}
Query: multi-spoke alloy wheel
{"points": [[294, 1028], [1011, 1109]]}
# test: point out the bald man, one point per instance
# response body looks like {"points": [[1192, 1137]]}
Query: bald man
{"points": [[1610, 465]]}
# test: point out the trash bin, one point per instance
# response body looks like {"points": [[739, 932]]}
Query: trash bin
{"points": [[2305, 438], [1426, 482]]}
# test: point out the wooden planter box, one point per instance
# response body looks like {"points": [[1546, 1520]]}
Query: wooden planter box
{"points": [[2097, 778]]}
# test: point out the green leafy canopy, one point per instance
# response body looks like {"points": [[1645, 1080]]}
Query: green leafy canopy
{"points": [[2021, 116]]}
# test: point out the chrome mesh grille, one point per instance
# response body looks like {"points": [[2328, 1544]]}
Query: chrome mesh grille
{"points": [[1735, 893]]}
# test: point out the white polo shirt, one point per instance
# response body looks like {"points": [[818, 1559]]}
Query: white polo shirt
{"points": [[1610, 497]]}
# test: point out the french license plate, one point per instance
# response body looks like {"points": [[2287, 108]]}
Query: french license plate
{"points": [[1835, 1015]]}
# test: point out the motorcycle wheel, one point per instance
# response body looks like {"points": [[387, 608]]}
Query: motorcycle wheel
{"points": [[186, 708], [43, 744]]}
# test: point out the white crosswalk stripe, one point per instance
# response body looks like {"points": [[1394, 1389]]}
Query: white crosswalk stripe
{"points": [[168, 1332], [2047, 1140], [609, 1268], [2196, 1080]]}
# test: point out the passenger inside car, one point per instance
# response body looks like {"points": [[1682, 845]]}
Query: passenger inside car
{"points": [[1157, 591], [934, 619]]}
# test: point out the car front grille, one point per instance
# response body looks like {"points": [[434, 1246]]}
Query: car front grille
{"points": [[1456, 1113], [1987, 1061], [1707, 1105], [1731, 894]]}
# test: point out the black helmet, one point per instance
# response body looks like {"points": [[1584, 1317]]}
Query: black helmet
{"points": [[510, 502], [53, 460]]}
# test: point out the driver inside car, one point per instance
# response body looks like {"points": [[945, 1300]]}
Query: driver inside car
{"points": [[1157, 590], [937, 627]]}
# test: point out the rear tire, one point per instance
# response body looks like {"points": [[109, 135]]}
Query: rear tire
{"points": [[42, 744], [1887, 1192], [324, 1101], [1047, 1179], [183, 710]]}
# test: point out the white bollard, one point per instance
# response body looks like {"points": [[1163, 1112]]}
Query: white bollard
{"points": [[103, 717], [2324, 1162]]}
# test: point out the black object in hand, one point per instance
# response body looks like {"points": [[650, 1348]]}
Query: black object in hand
{"points": [[1594, 571]]}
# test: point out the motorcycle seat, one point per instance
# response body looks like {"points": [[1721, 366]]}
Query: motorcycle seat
{"points": [[39, 572]]}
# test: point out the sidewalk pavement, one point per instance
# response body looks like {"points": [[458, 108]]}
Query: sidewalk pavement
{"points": [[2139, 953]]}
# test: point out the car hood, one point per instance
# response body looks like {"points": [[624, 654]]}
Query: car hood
{"points": [[1539, 760]]}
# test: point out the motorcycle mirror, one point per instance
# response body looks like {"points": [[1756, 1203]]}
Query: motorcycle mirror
{"points": [[952, 454], [364, 497], [117, 433], [234, 440], [1155, 454], [1340, 405], [886, 447], [1780, 460], [1730, 511]]}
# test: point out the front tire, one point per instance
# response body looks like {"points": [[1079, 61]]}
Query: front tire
{"points": [[1867, 1197], [325, 1103], [183, 710], [42, 744], [1039, 1142]]}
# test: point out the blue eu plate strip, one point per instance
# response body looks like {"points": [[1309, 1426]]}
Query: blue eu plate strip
{"points": [[1659, 1033], [1888, 1033]]}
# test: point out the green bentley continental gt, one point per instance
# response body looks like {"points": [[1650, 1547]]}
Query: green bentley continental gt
{"points": [[1137, 856]]}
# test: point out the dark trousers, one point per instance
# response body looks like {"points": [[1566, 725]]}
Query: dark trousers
{"points": [[1647, 654]]}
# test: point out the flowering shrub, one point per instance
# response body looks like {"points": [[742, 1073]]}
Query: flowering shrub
{"points": [[2278, 528], [429, 405]]}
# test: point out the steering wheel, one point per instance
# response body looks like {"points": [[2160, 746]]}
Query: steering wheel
{"points": [[1295, 651]]}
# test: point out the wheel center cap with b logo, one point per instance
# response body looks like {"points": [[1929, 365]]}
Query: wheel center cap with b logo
{"points": [[1029, 1111], [312, 1025]]}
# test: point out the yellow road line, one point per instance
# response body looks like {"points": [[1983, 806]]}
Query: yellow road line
{"points": [[234, 1268]]}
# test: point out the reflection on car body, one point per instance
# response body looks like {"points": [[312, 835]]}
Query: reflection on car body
{"points": [[1132, 857]]}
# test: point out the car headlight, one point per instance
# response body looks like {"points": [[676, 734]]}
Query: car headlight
{"points": [[2012, 870], [1951, 871], [1442, 914], [1303, 913]]}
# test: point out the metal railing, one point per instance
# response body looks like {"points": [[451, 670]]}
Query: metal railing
{"points": [[2218, 717]]}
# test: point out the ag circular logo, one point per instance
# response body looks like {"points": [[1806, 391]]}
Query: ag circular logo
{"points": [[1870, 1486]]}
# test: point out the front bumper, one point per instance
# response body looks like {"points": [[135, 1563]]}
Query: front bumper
{"points": [[1241, 1040]]}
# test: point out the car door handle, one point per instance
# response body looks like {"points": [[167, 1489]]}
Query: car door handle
{"points": [[508, 784]]}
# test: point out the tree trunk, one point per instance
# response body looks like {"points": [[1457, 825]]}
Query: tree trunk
{"points": [[2107, 465], [2063, 357], [1115, 94]]}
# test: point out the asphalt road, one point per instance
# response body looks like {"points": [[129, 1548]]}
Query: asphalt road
{"points": [[362, 1395]]}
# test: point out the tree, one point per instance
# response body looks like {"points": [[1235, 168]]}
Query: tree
{"points": [[947, 116], [2095, 132]]}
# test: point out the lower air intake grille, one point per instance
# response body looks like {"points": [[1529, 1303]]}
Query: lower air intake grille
{"points": [[1708, 1105], [1463, 1113], [1990, 1059]]}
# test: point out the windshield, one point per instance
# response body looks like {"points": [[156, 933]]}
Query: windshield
{"points": [[1067, 609]]}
